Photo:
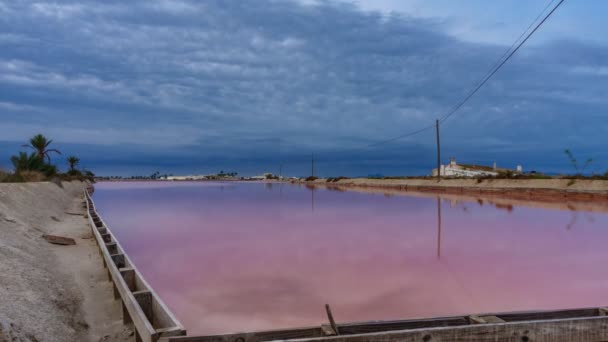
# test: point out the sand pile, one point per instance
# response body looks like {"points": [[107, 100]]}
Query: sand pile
{"points": [[50, 292]]}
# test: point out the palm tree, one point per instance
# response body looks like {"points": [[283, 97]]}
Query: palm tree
{"points": [[27, 162], [40, 144], [73, 161]]}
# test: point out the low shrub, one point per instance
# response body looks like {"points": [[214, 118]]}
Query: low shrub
{"points": [[311, 178], [335, 179], [32, 176]]}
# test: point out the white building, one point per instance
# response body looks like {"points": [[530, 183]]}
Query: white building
{"points": [[185, 178], [464, 170]]}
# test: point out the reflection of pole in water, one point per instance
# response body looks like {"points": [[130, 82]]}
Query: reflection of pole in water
{"points": [[438, 228], [312, 199]]}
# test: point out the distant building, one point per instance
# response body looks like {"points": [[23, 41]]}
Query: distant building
{"points": [[187, 178], [467, 170]]}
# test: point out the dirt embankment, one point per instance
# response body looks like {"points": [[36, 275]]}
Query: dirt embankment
{"points": [[51, 292], [563, 194]]}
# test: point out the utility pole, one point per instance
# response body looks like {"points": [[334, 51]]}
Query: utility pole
{"points": [[438, 152], [312, 165], [280, 171]]}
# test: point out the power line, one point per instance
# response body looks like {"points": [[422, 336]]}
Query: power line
{"points": [[499, 63], [487, 77], [401, 136]]}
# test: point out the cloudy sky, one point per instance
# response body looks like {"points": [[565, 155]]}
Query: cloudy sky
{"points": [[180, 86]]}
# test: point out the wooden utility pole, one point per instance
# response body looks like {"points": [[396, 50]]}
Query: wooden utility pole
{"points": [[312, 165], [438, 152]]}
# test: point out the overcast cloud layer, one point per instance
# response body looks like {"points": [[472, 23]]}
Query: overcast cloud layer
{"points": [[195, 87]]}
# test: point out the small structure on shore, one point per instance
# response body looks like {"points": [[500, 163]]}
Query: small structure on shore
{"points": [[469, 170]]}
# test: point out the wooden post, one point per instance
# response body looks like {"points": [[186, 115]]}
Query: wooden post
{"points": [[144, 299], [126, 318], [128, 274], [331, 319]]}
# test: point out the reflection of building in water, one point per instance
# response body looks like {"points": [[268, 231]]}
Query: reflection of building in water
{"points": [[469, 170]]}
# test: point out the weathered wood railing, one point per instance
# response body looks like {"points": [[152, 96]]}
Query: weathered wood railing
{"points": [[141, 306], [556, 325]]}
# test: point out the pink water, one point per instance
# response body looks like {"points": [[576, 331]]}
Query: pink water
{"points": [[229, 257]]}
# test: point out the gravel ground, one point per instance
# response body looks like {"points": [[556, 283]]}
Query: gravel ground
{"points": [[51, 292]]}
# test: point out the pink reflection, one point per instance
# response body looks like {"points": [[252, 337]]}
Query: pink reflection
{"points": [[239, 256]]}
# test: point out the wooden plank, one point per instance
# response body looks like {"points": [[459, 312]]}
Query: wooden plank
{"points": [[119, 260], [128, 274], [259, 336], [332, 322], [112, 248], [549, 314], [492, 319], [59, 240], [107, 238], [377, 326], [589, 329], [474, 319], [144, 299]]}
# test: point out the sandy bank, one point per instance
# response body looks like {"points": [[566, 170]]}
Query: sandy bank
{"points": [[544, 190], [580, 185], [50, 292]]}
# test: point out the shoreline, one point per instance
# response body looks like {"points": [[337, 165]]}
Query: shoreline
{"points": [[558, 191]]}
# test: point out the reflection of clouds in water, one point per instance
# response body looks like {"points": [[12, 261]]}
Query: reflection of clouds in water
{"points": [[251, 259]]}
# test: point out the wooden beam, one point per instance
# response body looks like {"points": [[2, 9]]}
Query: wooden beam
{"points": [[107, 238], [112, 248], [332, 322], [126, 317], [328, 330], [474, 319], [591, 329], [492, 319], [119, 260], [144, 299], [59, 240], [128, 274]]}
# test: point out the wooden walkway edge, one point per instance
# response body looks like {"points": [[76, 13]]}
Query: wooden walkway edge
{"points": [[590, 324], [141, 306]]}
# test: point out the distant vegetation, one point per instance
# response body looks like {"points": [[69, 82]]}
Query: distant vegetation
{"points": [[37, 166], [335, 179], [580, 169]]}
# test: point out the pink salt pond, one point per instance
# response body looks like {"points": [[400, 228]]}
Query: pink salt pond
{"points": [[235, 256]]}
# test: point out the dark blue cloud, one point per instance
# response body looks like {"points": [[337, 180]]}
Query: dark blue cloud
{"points": [[188, 86]]}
